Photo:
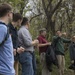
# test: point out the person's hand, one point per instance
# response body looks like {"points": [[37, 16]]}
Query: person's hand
{"points": [[14, 52], [64, 34], [36, 42], [60, 35], [20, 50], [49, 43], [72, 61]]}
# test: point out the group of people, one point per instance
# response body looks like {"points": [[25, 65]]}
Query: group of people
{"points": [[58, 40], [17, 46]]}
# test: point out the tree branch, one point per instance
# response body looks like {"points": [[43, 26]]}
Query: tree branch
{"points": [[49, 4], [56, 7], [35, 16], [44, 6]]}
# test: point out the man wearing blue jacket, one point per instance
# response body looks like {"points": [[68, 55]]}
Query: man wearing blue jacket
{"points": [[6, 47]]}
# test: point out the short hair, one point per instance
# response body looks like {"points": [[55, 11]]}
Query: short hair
{"points": [[73, 37], [25, 20], [4, 9], [42, 30], [58, 30], [17, 16]]}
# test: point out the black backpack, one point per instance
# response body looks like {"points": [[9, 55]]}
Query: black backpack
{"points": [[51, 56], [7, 35]]}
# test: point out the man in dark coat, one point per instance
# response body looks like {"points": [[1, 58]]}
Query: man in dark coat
{"points": [[72, 54]]}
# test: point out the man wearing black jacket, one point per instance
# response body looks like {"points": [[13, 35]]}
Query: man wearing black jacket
{"points": [[17, 19], [72, 53]]}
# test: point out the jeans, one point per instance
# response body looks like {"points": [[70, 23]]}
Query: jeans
{"points": [[28, 63], [34, 63]]}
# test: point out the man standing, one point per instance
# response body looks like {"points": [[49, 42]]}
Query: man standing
{"points": [[6, 47], [27, 58], [72, 54], [43, 45], [16, 22], [59, 50]]}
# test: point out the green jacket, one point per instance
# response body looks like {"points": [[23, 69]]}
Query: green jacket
{"points": [[59, 49]]}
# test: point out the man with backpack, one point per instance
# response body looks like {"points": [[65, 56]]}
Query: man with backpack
{"points": [[6, 47], [58, 42]]}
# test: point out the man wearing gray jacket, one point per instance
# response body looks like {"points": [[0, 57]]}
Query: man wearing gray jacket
{"points": [[27, 58]]}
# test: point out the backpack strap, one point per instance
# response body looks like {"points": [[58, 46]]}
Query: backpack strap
{"points": [[54, 42], [7, 35]]}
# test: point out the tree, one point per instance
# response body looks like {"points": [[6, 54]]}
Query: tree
{"points": [[18, 5], [50, 7]]}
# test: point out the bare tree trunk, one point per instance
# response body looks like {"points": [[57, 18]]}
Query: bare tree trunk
{"points": [[50, 27], [49, 13]]}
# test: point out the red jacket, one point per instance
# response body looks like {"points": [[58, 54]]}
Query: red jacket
{"points": [[42, 40]]}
